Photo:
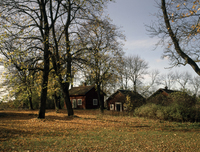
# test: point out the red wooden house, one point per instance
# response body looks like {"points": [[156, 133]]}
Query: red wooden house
{"points": [[84, 97], [164, 91], [161, 96], [117, 100]]}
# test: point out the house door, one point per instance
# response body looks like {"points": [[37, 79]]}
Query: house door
{"points": [[74, 104], [118, 107]]}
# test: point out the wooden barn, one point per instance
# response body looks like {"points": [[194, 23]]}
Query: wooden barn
{"points": [[84, 97], [164, 91], [161, 96], [117, 100]]}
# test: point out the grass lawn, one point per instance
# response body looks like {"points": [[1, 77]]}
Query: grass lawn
{"points": [[90, 131]]}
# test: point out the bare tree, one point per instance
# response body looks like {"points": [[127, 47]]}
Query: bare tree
{"points": [[103, 52], [178, 30], [74, 16], [151, 85], [124, 74], [167, 80], [182, 79], [195, 82], [136, 69]]}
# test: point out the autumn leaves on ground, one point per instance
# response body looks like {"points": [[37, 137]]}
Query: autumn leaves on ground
{"points": [[90, 131]]}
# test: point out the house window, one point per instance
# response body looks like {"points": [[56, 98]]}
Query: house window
{"points": [[111, 106], [79, 102], [74, 103], [95, 102]]}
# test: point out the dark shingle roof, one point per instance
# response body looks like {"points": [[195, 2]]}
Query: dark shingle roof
{"points": [[168, 91], [132, 94], [82, 90], [162, 90]]}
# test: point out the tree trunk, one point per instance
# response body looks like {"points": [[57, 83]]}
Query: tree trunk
{"points": [[134, 85], [44, 23], [101, 102], [65, 91], [56, 102], [68, 103], [65, 87], [122, 83], [126, 83], [58, 99], [44, 87], [28, 89], [30, 100]]}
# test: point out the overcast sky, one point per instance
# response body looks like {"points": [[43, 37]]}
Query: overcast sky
{"points": [[132, 15]]}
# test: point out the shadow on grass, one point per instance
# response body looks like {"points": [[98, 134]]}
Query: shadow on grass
{"points": [[27, 115], [17, 116], [6, 134], [193, 127]]}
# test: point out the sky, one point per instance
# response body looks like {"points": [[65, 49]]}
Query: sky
{"points": [[132, 16]]}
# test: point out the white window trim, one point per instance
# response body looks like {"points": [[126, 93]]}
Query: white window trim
{"points": [[95, 100], [78, 102], [112, 106]]}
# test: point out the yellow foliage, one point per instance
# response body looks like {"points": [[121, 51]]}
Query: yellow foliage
{"points": [[194, 6], [191, 12]]}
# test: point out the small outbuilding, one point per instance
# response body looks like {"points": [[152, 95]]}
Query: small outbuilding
{"points": [[164, 91], [118, 101], [161, 96], [84, 97]]}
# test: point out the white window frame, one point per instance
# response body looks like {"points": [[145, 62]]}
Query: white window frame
{"points": [[112, 106], [79, 100], [95, 102]]}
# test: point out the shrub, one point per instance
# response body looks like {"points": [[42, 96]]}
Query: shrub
{"points": [[3, 105], [133, 100], [173, 112], [15, 104], [160, 100], [148, 110], [182, 99]]}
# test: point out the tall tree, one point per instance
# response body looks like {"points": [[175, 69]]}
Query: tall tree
{"points": [[167, 80], [33, 24], [183, 79], [26, 23], [178, 29], [124, 74], [149, 87], [136, 68], [195, 82], [73, 16], [103, 51]]}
